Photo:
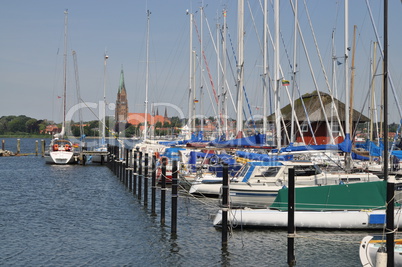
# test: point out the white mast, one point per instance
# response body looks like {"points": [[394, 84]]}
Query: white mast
{"points": [[190, 86], [240, 67], [220, 91], [225, 105], [276, 76], [146, 80], [201, 68], [292, 131], [104, 100], [347, 94], [265, 69], [64, 74]]}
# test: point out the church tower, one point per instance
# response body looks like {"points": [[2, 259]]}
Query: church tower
{"points": [[121, 102]]}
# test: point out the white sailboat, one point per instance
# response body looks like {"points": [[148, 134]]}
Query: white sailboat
{"points": [[102, 146], [148, 146], [386, 249], [60, 150]]}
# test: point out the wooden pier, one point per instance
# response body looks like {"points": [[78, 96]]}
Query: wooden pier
{"points": [[83, 155]]}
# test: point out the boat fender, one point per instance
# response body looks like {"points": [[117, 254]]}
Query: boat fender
{"points": [[157, 155], [55, 147], [381, 257]]}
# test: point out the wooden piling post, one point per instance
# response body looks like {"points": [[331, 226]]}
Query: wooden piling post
{"points": [[43, 147], [146, 180], [36, 147], [126, 167], [153, 188], [130, 171], [18, 146], [225, 201], [291, 218], [139, 174], [108, 156], [113, 158], [163, 190], [174, 198], [130, 179], [135, 173], [120, 170]]}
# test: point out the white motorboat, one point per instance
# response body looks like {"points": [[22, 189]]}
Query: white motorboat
{"points": [[257, 183]]}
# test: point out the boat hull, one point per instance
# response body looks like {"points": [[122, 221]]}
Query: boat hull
{"points": [[369, 248], [362, 219], [60, 157]]}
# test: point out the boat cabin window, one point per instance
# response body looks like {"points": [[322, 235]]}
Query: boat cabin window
{"points": [[271, 172], [307, 170]]}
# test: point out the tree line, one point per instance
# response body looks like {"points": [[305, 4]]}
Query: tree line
{"points": [[24, 125]]}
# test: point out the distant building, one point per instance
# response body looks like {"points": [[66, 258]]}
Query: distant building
{"points": [[121, 112], [312, 119], [138, 118], [52, 129]]}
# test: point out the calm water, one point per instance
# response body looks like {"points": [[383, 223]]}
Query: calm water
{"points": [[84, 216]]}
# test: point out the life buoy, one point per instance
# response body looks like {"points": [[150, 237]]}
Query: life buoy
{"points": [[55, 147], [66, 147]]}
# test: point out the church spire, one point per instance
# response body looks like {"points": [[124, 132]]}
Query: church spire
{"points": [[122, 87], [121, 111]]}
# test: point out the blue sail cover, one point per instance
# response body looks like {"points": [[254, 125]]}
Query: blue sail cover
{"points": [[194, 138], [215, 161], [345, 146], [374, 149], [377, 151], [397, 153], [172, 153], [254, 140]]}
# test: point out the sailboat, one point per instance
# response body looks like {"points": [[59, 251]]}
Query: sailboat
{"points": [[102, 146], [60, 150], [148, 146], [386, 249]]}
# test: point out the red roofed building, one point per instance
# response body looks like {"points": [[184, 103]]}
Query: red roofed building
{"points": [[138, 118], [52, 129]]}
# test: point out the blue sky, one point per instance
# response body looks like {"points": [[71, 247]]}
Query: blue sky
{"points": [[32, 49]]}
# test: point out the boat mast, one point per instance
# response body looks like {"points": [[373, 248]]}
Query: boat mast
{"points": [[105, 57], [265, 69], [276, 77], [201, 67], [146, 80], [292, 130], [240, 67], [352, 80], [65, 73], [373, 72], [225, 91], [347, 94], [390, 184], [191, 89]]}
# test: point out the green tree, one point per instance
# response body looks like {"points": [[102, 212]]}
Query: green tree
{"points": [[32, 126], [17, 124]]}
